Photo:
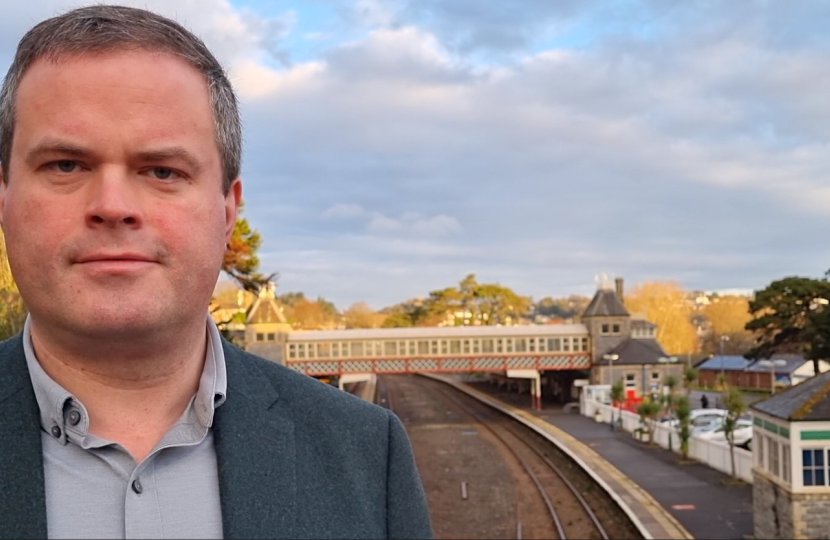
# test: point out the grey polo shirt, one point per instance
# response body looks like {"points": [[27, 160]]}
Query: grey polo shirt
{"points": [[94, 487]]}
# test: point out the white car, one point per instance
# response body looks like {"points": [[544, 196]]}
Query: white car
{"points": [[742, 434], [699, 418]]}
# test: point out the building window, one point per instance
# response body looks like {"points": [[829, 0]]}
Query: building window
{"points": [[300, 350], [292, 351], [444, 346], [655, 381], [434, 346], [584, 344], [785, 463], [605, 329], [412, 347], [324, 350], [357, 348], [423, 347], [813, 467], [521, 345], [260, 337], [630, 381], [541, 343], [774, 462], [531, 344], [566, 344], [466, 346], [499, 347], [615, 329], [760, 446], [487, 345], [390, 348], [455, 346], [554, 344], [476, 346]]}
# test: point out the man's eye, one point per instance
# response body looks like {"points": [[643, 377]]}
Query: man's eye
{"points": [[66, 166], [162, 173]]}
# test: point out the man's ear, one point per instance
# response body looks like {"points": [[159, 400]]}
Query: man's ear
{"points": [[3, 188], [232, 201]]}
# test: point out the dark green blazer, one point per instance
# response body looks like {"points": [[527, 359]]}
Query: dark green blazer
{"points": [[297, 458]]}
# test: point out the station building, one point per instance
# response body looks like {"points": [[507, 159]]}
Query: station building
{"points": [[791, 451]]}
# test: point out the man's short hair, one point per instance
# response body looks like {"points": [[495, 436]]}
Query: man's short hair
{"points": [[104, 28]]}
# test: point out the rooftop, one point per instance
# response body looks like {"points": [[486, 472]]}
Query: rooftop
{"points": [[605, 303], [807, 401], [636, 351]]}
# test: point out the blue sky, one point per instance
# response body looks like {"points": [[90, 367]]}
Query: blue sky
{"points": [[392, 147]]}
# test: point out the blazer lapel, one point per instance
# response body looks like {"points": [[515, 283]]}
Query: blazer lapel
{"points": [[255, 452], [22, 497]]}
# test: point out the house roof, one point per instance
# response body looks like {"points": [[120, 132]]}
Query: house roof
{"points": [[809, 400], [725, 363], [266, 309], [635, 351], [793, 362], [605, 303]]}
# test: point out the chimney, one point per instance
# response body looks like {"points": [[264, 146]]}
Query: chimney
{"points": [[619, 283]]}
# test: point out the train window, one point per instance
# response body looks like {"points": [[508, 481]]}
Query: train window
{"points": [[508, 345], [455, 346], [423, 347], [566, 344], [390, 348], [466, 346], [292, 351], [476, 346], [521, 344], [554, 344], [300, 350], [499, 346], [584, 344], [434, 346], [357, 348], [444, 346], [324, 350], [487, 345]]}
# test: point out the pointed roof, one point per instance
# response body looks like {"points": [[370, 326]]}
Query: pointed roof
{"points": [[809, 400], [605, 304], [266, 309]]}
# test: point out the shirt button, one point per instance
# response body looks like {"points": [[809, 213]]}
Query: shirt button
{"points": [[74, 417], [137, 486], [56, 432]]}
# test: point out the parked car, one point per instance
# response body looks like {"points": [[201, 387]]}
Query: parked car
{"points": [[698, 418], [742, 434]]}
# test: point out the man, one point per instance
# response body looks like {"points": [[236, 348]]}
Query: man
{"points": [[125, 413]]}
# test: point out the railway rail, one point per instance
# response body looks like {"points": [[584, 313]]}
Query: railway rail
{"points": [[570, 515]]}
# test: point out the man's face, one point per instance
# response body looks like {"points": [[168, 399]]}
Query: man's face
{"points": [[114, 216]]}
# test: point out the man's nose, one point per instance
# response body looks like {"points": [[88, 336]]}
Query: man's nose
{"points": [[113, 200]]}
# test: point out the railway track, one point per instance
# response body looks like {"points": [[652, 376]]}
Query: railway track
{"points": [[569, 513]]}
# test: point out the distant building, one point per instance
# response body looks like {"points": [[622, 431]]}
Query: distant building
{"points": [[787, 370]]}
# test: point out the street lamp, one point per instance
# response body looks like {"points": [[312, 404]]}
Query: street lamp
{"points": [[722, 373], [771, 364], [610, 358]]}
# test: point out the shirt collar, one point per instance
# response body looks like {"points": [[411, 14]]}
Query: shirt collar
{"points": [[61, 411]]}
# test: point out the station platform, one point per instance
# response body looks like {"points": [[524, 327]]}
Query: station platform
{"points": [[670, 499], [704, 501]]}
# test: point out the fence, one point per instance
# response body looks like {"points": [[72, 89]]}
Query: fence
{"points": [[712, 453]]}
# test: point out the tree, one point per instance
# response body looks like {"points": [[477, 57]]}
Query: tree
{"points": [[562, 308], [240, 261], [690, 375], [727, 316], [311, 315], [667, 305], [360, 315], [648, 411], [477, 303], [791, 315], [617, 398], [12, 309], [684, 413], [734, 404]]}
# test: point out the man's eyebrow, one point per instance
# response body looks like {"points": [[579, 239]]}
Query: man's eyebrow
{"points": [[55, 146], [173, 152]]}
